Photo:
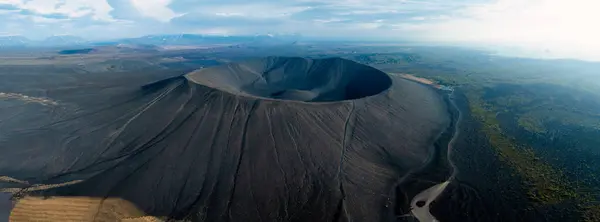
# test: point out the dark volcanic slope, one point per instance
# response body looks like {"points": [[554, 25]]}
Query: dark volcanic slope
{"points": [[227, 144]]}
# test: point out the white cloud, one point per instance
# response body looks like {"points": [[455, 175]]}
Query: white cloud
{"points": [[98, 9], [418, 18], [367, 25], [551, 23], [228, 14], [560, 25], [157, 9], [331, 20], [254, 10], [4, 12], [374, 7], [40, 19], [214, 31], [369, 11]]}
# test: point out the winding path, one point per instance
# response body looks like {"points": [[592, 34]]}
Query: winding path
{"points": [[420, 203]]}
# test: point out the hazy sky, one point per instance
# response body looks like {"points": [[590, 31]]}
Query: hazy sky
{"points": [[555, 24]]}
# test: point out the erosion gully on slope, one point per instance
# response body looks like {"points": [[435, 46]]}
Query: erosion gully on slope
{"points": [[420, 204]]}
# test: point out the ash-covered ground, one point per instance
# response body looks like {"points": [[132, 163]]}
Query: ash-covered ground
{"points": [[271, 139]]}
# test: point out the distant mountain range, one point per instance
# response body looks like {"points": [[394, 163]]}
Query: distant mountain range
{"points": [[61, 40], [153, 40], [12, 41], [192, 39], [53, 41]]}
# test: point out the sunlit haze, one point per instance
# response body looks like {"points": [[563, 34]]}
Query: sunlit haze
{"points": [[555, 27]]}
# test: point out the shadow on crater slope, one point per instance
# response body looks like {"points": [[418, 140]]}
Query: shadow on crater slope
{"points": [[226, 144], [321, 80]]}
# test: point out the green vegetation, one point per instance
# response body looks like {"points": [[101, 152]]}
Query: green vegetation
{"points": [[538, 104], [532, 123], [542, 117], [563, 117], [545, 184], [592, 214]]}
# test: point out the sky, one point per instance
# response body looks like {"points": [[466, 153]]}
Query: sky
{"points": [[559, 25]]}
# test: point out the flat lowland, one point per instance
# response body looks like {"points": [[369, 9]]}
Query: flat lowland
{"points": [[269, 139]]}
